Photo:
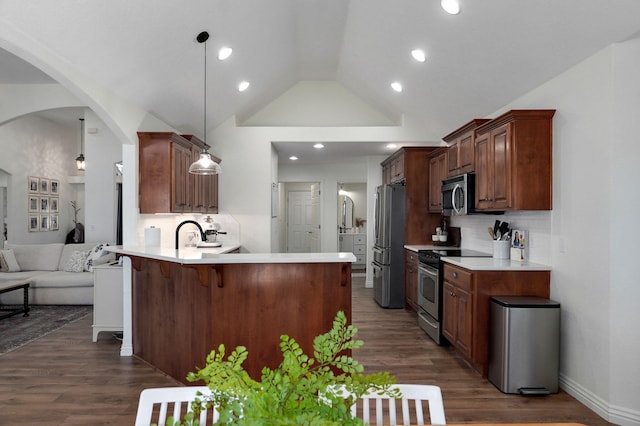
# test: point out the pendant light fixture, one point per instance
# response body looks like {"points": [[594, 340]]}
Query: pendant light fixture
{"points": [[205, 165], [80, 163]]}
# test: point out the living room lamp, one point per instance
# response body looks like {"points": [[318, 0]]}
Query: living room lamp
{"points": [[205, 165], [80, 163]]}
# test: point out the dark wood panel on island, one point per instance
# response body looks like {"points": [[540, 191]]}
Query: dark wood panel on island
{"points": [[183, 311]]}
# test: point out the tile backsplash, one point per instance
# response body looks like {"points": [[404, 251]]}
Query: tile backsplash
{"points": [[474, 233]]}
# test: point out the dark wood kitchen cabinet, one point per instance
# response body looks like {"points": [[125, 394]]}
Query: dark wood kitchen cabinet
{"points": [[164, 182], [457, 317], [410, 165], [514, 161], [393, 168], [437, 173], [461, 152], [411, 280], [467, 302]]}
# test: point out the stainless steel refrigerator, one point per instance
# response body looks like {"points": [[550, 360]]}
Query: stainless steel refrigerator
{"points": [[388, 250]]}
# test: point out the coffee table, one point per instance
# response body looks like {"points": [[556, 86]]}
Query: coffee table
{"points": [[13, 285]]}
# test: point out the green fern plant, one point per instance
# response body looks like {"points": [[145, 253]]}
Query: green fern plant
{"points": [[303, 390]]}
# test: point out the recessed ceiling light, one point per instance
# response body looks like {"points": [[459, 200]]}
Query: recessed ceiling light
{"points": [[293, 158], [396, 86], [392, 146], [224, 53], [318, 146], [452, 7], [419, 55], [244, 85]]}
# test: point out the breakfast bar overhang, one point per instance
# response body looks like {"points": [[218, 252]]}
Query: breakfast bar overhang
{"points": [[181, 304]]}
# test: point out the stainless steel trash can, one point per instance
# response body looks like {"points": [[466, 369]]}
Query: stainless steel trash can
{"points": [[525, 345]]}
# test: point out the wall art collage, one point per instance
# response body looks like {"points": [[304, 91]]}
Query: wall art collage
{"points": [[44, 200]]}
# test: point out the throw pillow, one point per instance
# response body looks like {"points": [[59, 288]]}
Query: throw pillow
{"points": [[76, 261], [8, 261], [98, 256], [3, 264]]}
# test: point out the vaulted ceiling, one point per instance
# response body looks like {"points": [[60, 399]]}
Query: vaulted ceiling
{"points": [[477, 61]]}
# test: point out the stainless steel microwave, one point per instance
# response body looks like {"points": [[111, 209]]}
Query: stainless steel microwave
{"points": [[458, 195]]}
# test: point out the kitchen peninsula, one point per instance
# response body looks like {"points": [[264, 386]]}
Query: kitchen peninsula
{"points": [[184, 303]]}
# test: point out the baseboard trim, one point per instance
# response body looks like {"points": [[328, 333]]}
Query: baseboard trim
{"points": [[614, 414]]}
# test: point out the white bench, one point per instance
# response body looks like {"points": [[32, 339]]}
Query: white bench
{"points": [[12, 285]]}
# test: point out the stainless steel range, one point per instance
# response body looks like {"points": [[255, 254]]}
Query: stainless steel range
{"points": [[430, 288]]}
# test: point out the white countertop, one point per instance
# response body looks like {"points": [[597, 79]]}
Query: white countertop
{"points": [[483, 263], [220, 255], [491, 264]]}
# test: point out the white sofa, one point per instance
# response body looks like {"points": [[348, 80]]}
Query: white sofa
{"points": [[44, 265]]}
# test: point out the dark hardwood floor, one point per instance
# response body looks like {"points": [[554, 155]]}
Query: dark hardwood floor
{"points": [[66, 379]]}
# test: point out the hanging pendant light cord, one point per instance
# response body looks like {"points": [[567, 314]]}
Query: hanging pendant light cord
{"points": [[202, 38]]}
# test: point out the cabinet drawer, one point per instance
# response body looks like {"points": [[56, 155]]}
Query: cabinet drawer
{"points": [[410, 256], [359, 239], [458, 276], [361, 258], [358, 249]]}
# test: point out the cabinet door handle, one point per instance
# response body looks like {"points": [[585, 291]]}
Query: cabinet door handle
{"points": [[454, 274]]}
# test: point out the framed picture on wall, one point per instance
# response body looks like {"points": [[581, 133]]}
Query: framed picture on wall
{"points": [[44, 204], [53, 222], [34, 204], [53, 204], [54, 187], [44, 186], [44, 222], [34, 222], [34, 185]]}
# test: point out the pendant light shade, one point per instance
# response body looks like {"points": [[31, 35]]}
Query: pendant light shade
{"points": [[80, 162], [205, 165]]}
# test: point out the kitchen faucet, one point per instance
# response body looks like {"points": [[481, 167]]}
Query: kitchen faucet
{"points": [[202, 234]]}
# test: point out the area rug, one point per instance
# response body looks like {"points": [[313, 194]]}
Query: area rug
{"points": [[17, 330]]}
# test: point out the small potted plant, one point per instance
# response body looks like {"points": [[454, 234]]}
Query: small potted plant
{"points": [[302, 390]]}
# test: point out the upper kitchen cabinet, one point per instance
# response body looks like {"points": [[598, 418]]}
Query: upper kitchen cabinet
{"points": [[514, 161], [164, 182], [393, 168], [437, 173], [461, 153], [409, 165]]}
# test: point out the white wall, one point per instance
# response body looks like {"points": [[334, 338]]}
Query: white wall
{"points": [[587, 237], [102, 151], [624, 335], [248, 160], [32, 146]]}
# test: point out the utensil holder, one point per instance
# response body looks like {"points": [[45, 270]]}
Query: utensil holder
{"points": [[501, 249]]}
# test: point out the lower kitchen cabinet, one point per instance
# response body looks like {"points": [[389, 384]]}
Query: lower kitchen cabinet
{"points": [[458, 314], [107, 299], [411, 280], [467, 302]]}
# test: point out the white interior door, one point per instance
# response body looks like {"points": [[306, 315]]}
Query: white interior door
{"points": [[299, 222], [315, 218]]}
